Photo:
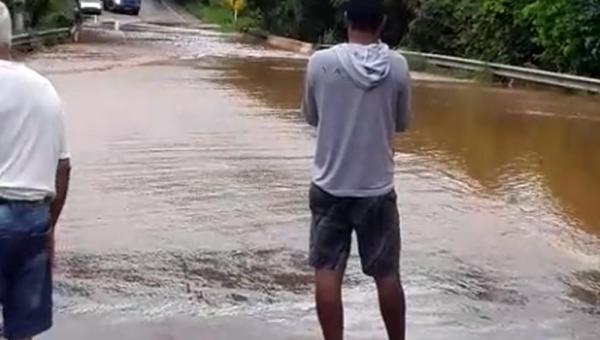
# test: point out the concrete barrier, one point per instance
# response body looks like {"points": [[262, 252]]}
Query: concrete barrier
{"points": [[33, 38], [283, 43], [290, 44]]}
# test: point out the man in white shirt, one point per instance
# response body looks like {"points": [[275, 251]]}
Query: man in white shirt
{"points": [[34, 179]]}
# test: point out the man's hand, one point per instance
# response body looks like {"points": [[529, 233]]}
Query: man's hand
{"points": [[50, 247], [63, 174]]}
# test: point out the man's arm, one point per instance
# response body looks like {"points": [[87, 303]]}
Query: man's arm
{"points": [[63, 170], [63, 175], [404, 115], [309, 104]]}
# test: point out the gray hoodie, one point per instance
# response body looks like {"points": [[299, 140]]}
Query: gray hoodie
{"points": [[358, 97], [366, 65]]}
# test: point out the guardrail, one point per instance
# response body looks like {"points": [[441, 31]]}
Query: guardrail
{"points": [[513, 72], [33, 38]]}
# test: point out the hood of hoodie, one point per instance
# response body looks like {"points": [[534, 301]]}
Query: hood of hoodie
{"points": [[367, 65]]}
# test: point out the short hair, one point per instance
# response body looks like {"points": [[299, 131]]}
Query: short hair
{"points": [[365, 15], [5, 26]]}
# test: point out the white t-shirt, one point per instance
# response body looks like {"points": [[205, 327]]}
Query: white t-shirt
{"points": [[32, 134]]}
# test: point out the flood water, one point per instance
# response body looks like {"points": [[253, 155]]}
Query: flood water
{"points": [[189, 197]]}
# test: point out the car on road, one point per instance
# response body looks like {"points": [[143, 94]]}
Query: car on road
{"points": [[90, 7], [132, 7]]}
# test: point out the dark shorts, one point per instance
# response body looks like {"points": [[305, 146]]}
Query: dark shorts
{"points": [[377, 225], [25, 273]]}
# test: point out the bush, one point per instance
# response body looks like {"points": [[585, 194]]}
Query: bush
{"points": [[561, 35], [300, 19], [497, 33], [417, 63], [437, 27], [249, 21], [569, 33], [321, 20], [41, 14]]}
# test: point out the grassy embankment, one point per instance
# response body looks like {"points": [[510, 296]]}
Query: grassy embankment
{"points": [[420, 64], [216, 12]]}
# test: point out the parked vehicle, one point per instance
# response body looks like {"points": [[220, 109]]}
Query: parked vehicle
{"points": [[90, 7], [132, 7]]}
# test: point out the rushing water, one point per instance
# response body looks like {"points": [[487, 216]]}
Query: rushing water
{"points": [[191, 166]]}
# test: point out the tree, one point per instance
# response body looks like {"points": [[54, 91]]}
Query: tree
{"points": [[437, 26], [569, 33], [496, 32], [559, 35]]}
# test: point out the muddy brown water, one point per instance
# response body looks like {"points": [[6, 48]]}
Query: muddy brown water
{"points": [[189, 199]]}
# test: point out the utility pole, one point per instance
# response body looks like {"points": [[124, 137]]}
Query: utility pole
{"points": [[19, 16]]}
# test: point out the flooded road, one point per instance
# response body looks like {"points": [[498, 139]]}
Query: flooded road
{"points": [[188, 215]]}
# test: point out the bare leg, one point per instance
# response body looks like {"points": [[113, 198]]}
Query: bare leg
{"points": [[329, 303], [393, 306]]}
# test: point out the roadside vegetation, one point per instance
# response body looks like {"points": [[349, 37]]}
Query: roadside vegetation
{"points": [[231, 15], [44, 14], [557, 35]]}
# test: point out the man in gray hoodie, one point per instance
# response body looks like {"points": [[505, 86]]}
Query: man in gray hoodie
{"points": [[357, 95]]}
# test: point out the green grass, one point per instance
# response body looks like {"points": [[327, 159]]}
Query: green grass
{"points": [[211, 14], [417, 63], [420, 64], [217, 14]]}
